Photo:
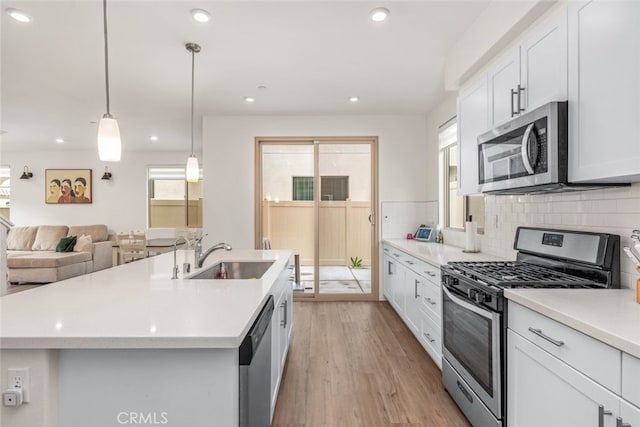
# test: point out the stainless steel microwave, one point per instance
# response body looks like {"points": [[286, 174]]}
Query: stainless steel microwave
{"points": [[527, 154]]}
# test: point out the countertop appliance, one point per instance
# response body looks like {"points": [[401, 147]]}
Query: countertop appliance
{"points": [[474, 308], [529, 154], [255, 371]]}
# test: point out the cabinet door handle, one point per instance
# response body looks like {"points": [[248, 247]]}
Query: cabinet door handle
{"points": [[619, 423], [410, 262], [389, 270], [430, 301], [513, 112], [284, 306], [416, 289], [539, 333], [601, 414], [520, 90], [428, 337]]}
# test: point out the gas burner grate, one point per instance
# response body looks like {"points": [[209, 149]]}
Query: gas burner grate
{"points": [[520, 275]]}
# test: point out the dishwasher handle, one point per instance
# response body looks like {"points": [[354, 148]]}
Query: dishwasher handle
{"points": [[253, 338]]}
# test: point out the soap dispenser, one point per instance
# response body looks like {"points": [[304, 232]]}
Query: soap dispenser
{"points": [[223, 271]]}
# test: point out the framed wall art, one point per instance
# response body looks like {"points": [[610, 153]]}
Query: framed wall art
{"points": [[68, 186]]}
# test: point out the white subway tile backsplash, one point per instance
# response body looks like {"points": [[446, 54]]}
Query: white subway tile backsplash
{"points": [[614, 210]]}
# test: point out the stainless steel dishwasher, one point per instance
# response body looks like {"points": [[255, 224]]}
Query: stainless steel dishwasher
{"points": [[255, 371]]}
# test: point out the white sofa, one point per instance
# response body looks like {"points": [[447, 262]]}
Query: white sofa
{"points": [[31, 255]]}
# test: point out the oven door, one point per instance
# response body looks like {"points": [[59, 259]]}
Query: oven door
{"points": [[472, 346]]}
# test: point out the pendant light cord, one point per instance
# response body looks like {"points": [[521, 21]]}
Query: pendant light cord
{"points": [[106, 56], [193, 68]]}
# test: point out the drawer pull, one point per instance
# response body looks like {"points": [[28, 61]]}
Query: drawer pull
{"points": [[619, 423], [430, 301], [539, 333], [601, 414], [396, 255], [386, 249], [428, 337], [409, 262], [429, 273]]}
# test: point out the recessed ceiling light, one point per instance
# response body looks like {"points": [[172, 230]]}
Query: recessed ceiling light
{"points": [[201, 15], [60, 140], [354, 99], [379, 14], [18, 15], [153, 138], [249, 99]]}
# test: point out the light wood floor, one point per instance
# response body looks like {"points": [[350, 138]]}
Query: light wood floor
{"points": [[356, 364]]}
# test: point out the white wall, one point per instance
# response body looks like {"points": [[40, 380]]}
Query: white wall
{"points": [[229, 152], [120, 203]]}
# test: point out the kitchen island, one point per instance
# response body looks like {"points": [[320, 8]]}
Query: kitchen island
{"points": [[129, 343]]}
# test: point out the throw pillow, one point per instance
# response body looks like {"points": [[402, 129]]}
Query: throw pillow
{"points": [[21, 238], [83, 244], [66, 244], [48, 237]]}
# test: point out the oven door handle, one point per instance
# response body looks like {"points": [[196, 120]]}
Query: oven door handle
{"points": [[479, 311], [524, 150]]}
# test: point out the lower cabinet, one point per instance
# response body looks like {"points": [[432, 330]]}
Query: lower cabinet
{"points": [[550, 381], [281, 331], [412, 287]]}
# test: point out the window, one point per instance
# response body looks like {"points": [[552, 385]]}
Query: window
{"points": [[5, 191], [174, 202], [302, 188], [455, 209], [331, 188], [334, 187]]}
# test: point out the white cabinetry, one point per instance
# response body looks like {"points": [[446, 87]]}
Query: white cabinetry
{"points": [[525, 78], [532, 74], [412, 286], [604, 91], [281, 331], [557, 376], [473, 120]]}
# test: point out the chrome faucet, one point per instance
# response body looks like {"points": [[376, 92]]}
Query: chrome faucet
{"points": [[200, 256], [175, 261]]}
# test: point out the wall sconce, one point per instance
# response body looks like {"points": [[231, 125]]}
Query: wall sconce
{"points": [[107, 175], [26, 173]]}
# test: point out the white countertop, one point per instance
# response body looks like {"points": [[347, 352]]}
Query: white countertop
{"points": [[437, 254], [609, 315], [137, 305]]}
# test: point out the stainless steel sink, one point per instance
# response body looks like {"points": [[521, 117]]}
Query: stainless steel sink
{"points": [[236, 270]]}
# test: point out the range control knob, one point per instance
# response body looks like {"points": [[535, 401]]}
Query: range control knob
{"points": [[450, 281], [480, 297], [472, 293]]}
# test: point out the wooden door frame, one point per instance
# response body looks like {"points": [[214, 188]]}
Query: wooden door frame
{"points": [[315, 141]]}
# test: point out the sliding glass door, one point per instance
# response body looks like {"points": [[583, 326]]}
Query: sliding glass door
{"points": [[317, 197]]}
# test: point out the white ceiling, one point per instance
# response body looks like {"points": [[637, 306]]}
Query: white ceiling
{"points": [[311, 55]]}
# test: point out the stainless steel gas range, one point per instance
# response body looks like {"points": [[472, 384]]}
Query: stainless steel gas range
{"points": [[474, 308]]}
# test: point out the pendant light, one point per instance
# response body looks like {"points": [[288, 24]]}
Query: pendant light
{"points": [[193, 169], [109, 145]]}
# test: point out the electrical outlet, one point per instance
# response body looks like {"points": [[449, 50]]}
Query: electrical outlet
{"points": [[18, 378]]}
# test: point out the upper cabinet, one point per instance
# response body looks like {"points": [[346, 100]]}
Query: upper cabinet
{"points": [[527, 77], [604, 91], [473, 120], [532, 74]]}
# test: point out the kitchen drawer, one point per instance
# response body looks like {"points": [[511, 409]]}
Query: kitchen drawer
{"points": [[424, 269], [631, 379], [431, 338], [431, 300], [585, 354]]}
